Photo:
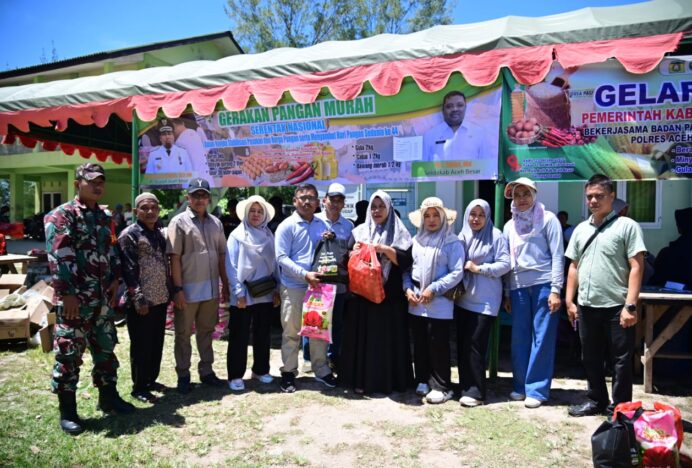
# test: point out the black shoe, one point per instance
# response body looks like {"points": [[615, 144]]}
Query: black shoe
{"points": [[183, 385], [212, 380], [157, 387], [328, 380], [610, 409], [145, 396], [288, 382], [586, 409], [111, 403], [69, 420]]}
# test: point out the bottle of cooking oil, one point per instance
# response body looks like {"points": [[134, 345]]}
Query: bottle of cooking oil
{"points": [[326, 168], [318, 165], [333, 164], [517, 99]]}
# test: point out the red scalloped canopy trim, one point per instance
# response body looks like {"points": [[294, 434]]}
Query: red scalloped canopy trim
{"points": [[529, 65], [86, 152]]}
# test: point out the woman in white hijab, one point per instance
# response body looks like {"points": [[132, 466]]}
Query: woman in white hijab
{"points": [[375, 355], [487, 260], [438, 266], [250, 258], [534, 284]]}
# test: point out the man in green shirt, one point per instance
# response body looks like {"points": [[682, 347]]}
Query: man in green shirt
{"points": [[607, 254]]}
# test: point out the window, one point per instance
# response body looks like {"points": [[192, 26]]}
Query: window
{"points": [[644, 199], [51, 200]]}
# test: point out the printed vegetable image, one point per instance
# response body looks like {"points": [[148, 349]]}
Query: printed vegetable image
{"points": [[304, 172], [600, 158], [313, 319], [554, 137], [524, 132]]}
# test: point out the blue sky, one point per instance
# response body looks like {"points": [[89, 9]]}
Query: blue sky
{"points": [[29, 28]]}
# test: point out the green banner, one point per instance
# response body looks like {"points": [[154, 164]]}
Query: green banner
{"points": [[412, 136], [599, 119]]}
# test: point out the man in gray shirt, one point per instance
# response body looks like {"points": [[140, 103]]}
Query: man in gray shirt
{"points": [[197, 249], [607, 254]]}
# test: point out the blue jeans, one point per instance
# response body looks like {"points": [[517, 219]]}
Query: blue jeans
{"points": [[534, 332]]}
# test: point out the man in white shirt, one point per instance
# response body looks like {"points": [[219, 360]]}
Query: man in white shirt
{"points": [[190, 141], [452, 139], [168, 158]]}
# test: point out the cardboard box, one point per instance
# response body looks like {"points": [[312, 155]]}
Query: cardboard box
{"points": [[12, 281], [38, 311], [14, 324], [46, 335]]}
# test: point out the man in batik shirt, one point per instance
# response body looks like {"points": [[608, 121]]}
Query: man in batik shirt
{"points": [[85, 269], [146, 274]]}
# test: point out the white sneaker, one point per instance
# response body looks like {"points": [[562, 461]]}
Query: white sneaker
{"points": [[515, 396], [532, 402], [237, 385], [470, 401], [422, 389], [265, 379], [307, 367], [436, 397]]}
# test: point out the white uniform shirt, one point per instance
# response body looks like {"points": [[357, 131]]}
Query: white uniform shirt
{"points": [[441, 143], [160, 162], [190, 141]]}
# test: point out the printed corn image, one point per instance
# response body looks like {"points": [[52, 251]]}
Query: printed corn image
{"points": [[601, 158]]}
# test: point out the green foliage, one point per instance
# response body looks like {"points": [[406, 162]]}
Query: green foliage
{"points": [[262, 25]]}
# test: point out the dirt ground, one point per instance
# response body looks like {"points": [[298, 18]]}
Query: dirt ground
{"points": [[317, 426]]}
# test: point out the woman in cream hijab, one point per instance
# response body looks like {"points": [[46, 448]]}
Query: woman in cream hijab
{"points": [[375, 354], [250, 258], [438, 266]]}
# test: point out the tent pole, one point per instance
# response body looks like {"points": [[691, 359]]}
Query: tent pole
{"points": [[498, 221], [135, 158]]}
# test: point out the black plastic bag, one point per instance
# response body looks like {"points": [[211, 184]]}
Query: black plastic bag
{"points": [[614, 444], [331, 261]]}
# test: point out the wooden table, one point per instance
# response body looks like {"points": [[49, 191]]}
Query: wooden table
{"points": [[11, 259], [654, 306]]}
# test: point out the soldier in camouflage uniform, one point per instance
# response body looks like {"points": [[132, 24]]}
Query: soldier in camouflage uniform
{"points": [[85, 269]]}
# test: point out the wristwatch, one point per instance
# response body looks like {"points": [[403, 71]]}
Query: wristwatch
{"points": [[177, 289], [631, 308]]}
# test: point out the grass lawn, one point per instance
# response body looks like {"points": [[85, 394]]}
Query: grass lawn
{"points": [[263, 427]]}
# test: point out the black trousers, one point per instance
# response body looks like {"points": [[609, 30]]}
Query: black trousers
{"points": [[473, 333], [146, 345], [599, 328], [431, 352], [239, 336]]}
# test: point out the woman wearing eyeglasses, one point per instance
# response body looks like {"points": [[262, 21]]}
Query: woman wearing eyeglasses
{"points": [[534, 283], [375, 353], [487, 260]]}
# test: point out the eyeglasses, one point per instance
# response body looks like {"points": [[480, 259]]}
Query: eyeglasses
{"points": [[149, 208], [307, 198]]}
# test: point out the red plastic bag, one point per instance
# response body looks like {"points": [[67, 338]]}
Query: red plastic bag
{"points": [[659, 433], [629, 407], [365, 274]]}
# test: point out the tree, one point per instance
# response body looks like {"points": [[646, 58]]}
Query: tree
{"points": [[262, 25]]}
